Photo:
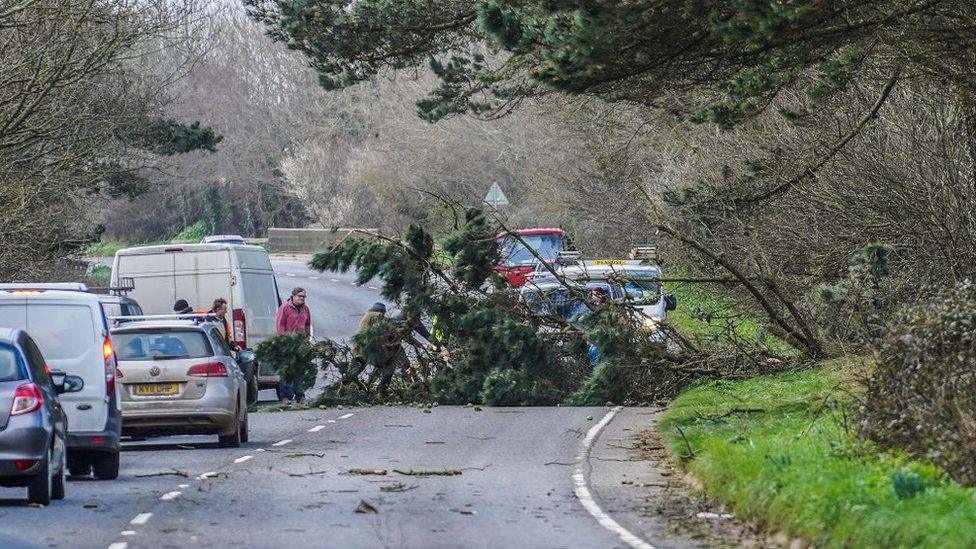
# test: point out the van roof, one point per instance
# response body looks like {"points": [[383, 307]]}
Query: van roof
{"points": [[19, 291], [164, 248]]}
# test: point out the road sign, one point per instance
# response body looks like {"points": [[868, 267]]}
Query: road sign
{"points": [[495, 196]]}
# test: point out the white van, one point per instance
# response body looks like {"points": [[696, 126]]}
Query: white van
{"points": [[200, 273], [70, 327]]}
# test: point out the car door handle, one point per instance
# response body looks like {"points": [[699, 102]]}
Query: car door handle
{"points": [[84, 406]]}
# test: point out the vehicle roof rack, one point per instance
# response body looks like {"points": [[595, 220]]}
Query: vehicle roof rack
{"points": [[125, 285], [644, 253], [568, 257], [196, 317], [28, 286]]}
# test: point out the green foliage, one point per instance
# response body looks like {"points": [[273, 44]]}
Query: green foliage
{"points": [[292, 356], [100, 275], [167, 137], [920, 396], [193, 233], [774, 452]]}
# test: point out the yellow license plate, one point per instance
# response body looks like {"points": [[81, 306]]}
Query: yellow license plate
{"points": [[609, 262], [157, 389]]}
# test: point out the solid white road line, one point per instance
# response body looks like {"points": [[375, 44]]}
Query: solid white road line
{"points": [[583, 491], [282, 442], [170, 496], [316, 429], [242, 459], [118, 545], [347, 416], [140, 519], [207, 475]]}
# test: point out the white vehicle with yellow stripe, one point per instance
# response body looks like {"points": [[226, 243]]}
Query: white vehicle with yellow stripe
{"points": [[636, 280]]}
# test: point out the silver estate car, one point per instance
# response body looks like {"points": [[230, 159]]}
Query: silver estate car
{"points": [[178, 378]]}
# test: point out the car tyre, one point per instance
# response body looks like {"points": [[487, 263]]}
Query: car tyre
{"points": [[106, 466], [39, 487], [232, 440], [245, 428], [57, 487]]}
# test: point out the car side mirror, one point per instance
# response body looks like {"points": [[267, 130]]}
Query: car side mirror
{"points": [[670, 302], [245, 356], [57, 379], [64, 383]]}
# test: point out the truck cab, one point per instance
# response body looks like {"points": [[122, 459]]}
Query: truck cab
{"points": [[517, 247]]}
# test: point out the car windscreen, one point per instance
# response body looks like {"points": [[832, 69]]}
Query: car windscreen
{"points": [[643, 292], [161, 345], [62, 331], [10, 366], [515, 254]]}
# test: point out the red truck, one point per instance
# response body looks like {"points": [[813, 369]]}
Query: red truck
{"points": [[517, 260]]}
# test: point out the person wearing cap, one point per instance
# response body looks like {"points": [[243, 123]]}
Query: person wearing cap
{"points": [[395, 355], [293, 316], [181, 307]]}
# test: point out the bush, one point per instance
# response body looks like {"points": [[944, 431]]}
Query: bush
{"points": [[922, 395], [293, 356], [193, 233]]}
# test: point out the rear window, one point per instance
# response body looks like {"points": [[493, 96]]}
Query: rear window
{"points": [[112, 309], [63, 332], [10, 369], [161, 345]]}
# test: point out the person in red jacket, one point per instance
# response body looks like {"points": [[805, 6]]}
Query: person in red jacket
{"points": [[293, 316]]}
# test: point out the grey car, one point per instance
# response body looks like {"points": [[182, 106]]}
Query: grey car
{"points": [[179, 378], [33, 426]]}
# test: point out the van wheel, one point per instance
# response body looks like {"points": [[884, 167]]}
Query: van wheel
{"points": [[39, 488], [232, 440], [106, 466], [57, 486]]}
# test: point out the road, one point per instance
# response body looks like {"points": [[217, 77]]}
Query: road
{"points": [[528, 477]]}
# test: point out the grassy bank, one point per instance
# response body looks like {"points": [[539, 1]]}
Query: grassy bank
{"points": [[781, 451]]}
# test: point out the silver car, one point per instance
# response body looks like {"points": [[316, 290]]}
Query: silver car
{"points": [[178, 377]]}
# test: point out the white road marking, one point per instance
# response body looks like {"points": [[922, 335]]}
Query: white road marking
{"points": [[586, 498], [259, 450], [140, 519], [316, 429], [331, 421], [314, 277], [170, 496], [333, 280], [127, 533], [353, 284], [289, 274], [118, 545], [242, 459], [347, 416], [282, 442], [371, 287], [207, 475], [183, 486]]}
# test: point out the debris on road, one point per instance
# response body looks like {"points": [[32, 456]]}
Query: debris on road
{"points": [[173, 472], [89, 505], [434, 442], [366, 507], [589, 418], [397, 487], [708, 515], [360, 471], [477, 408], [430, 473], [558, 463]]}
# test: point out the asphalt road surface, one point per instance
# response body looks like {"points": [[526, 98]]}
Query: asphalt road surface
{"points": [[526, 477]]}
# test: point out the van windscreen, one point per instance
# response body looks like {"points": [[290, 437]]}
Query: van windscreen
{"points": [[63, 332]]}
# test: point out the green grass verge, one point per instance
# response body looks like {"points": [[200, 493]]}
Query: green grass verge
{"points": [[781, 450], [104, 249], [704, 312]]}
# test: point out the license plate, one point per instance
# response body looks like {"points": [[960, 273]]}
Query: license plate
{"points": [[157, 389]]}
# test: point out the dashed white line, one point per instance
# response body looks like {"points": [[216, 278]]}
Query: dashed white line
{"points": [[282, 442], [127, 533], [259, 450], [371, 287], [586, 498], [331, 421], [314, 277], [182, 486], [353, 284], [289, 274], [118, 545], [347, 416], [316, 429], [170, 496], [242, 459], [333, 280], [140, 519], [207, 475]]}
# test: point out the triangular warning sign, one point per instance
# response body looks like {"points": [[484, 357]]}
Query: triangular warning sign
{"points": [[495, 196]]}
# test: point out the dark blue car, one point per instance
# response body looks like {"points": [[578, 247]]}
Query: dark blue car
{"points": [[33, 426]]}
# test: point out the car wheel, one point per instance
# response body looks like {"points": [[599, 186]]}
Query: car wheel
{"points": [[39, 488], [232, 440], [57, 487], [245, 434], [106, 466]]}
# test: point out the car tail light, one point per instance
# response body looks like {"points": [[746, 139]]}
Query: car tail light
{"points": [[24, 464], [27, 398], [208, 369], [98, 440], [111, 368], [240, 329]]}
